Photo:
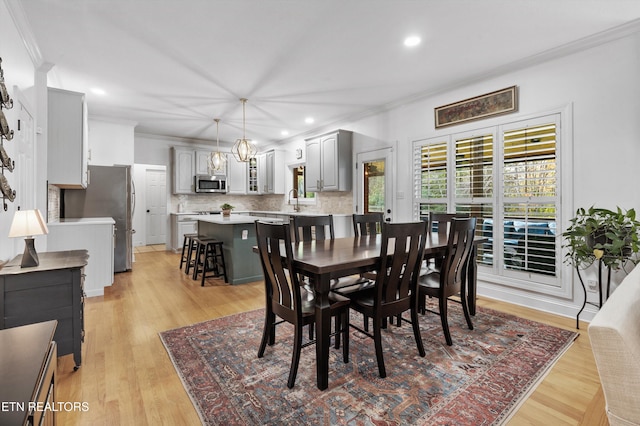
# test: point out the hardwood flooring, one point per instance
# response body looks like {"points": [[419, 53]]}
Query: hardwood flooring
{"points": [[127, 377]]}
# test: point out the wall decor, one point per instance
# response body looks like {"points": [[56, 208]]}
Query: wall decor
{"points": [[6, 163], [500, 102]]}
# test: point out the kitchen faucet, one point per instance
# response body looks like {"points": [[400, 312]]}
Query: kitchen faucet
{"points": [[297, 206]]}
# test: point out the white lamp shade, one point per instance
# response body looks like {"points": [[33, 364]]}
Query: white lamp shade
{"points": [[27, 223]]}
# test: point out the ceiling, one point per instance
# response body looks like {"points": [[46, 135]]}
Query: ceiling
{"points": [[173, 66]]}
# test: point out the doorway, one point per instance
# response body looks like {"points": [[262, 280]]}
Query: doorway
{"points": [[156, 206], [375, 182]]}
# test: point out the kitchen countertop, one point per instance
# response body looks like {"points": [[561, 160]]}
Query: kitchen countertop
{"points": [[248, 212], [234, 219], [84, 221]]}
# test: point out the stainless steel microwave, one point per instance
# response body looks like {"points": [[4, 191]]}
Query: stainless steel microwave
{"points": [[207, 183]]}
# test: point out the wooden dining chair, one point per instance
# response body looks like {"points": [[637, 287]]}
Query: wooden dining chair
{"points": [[441, 224], [307, 228], [367, 224], [395, 290], [283, 296], [450, 280]]}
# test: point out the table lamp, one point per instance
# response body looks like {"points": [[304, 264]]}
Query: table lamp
{"points": [[27, 223]]}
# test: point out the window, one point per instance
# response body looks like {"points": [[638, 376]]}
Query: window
{"points": [[500, 175], [299, 184]]}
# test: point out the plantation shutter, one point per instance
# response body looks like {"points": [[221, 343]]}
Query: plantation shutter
{"points": [[474, 159], [530, 199], [430, 177]]}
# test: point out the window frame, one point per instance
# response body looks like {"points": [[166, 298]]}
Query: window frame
{"points": [[557, 285]]}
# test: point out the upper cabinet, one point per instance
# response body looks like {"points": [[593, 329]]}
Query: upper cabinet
{"points": [[187, 164], [263, 174], [202, 164], [273, 172], [67, 150], [237, 177], [328, 162], [183, 163]]}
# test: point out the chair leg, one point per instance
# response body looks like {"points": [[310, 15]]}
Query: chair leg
{"points": [[445, 322], [465, 309], [295, 359], [416, 331], [338, 324], [267, 333], [377, 338]]}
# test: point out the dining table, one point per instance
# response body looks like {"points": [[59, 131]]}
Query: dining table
{"points": [[325, 260]]}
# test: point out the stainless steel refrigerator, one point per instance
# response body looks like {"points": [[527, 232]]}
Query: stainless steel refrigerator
{"points": [[109, 194]]}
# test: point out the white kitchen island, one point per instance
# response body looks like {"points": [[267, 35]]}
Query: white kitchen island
{"points": [[238, 234]]}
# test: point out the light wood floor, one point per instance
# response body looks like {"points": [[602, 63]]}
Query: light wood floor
{"points": [[127, 378]]}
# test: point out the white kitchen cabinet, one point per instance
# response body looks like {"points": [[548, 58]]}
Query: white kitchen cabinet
{"points": [[255, 175], [237, 176], [97, 236], [328, 162], [67, 149], [202, 164], [181, 224], [273, 169], [183, 163]]}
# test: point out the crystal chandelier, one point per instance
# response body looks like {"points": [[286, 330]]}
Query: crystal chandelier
{"points": [[244, 149], [217, 161]]}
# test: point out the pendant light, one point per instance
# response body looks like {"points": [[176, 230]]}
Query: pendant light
{"points": [[217, 161], [244, 149]]}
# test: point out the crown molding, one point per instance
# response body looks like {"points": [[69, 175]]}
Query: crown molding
{"points": [[26, 34]]}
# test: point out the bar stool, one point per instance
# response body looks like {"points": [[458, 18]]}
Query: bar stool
{"points": [[209, 258], [188, 247]]}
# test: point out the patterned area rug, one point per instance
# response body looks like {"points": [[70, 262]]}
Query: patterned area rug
{"points": [[480, 380]]}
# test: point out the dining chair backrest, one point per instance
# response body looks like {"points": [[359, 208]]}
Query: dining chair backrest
{"points": [[281, 285], [367, 224], [307, 228], [400, 259], [441, 222], [456, 259]]}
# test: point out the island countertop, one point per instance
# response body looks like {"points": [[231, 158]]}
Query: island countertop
{"points": [[234, 219]]}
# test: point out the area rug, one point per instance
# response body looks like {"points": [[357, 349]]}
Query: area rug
{"points": [[480, 380]]}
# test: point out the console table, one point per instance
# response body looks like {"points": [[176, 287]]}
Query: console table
{"points": [[28, 374], [53, 290]]}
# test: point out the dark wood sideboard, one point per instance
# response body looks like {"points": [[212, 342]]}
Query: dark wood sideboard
{"points": [[53, 290], [28, 374]]}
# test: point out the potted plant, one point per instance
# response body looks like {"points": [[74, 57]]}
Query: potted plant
{"points": [[604, 235], [607, 237], [226, 209]]}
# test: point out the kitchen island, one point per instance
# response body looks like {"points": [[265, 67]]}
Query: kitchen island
{"points": [[238, 234]]}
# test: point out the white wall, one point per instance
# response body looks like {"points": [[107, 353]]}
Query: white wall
{"points": [[19, 71], [599, 86]]}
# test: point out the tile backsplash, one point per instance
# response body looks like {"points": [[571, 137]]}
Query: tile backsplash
{"points": [[326, 202], [53, 203]]}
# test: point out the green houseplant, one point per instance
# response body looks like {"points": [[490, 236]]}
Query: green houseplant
{"points": [[607, 237], [597, 234], [226, 209]]}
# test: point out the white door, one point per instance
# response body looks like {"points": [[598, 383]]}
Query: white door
{"points": [[23, 178], [375, 182], [156, 203]]}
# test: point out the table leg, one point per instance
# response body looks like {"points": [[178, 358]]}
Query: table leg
{"points": [[323, 331]]}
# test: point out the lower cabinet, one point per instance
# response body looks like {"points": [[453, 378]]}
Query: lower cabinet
{"points": [[54, 290], [180, 225]]}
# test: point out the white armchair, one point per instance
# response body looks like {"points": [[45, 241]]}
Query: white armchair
{"points": [[615, 341]]}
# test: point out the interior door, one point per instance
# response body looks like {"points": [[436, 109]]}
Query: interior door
{"points": [[375, 182], [156, 203]]}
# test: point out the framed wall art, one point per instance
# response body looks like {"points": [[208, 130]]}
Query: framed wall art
{"points": [[500, 102]]}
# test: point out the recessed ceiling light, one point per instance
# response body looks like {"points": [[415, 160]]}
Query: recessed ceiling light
{"points": [[412, 41], [309, 120], [98, 91], [284, 133]]}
